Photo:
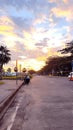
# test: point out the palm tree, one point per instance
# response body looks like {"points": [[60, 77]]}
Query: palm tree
{"points": [[68, 48], [9, 70], [4, 56]]}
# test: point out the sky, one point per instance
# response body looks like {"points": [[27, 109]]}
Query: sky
{"points": [[34, 30]]}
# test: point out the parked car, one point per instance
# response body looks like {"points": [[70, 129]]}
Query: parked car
{"points": [[70, 76]]}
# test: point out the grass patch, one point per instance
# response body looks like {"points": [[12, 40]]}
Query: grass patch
{"points": [[11, 77], [14, 77], [1, 82]]}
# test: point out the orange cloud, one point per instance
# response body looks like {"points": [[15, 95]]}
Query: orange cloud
{"points": [[40, 19], [35, 64], [4, 20], [65, 10], [6, 30], [57, 1], [61, 12], [42, 58], [65, 1], [6, 26]]}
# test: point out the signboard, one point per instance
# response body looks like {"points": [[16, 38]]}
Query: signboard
{"points": [[15, 69], [24, 70]]}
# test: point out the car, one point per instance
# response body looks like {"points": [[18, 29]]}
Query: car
{"points": [[70, 76]]}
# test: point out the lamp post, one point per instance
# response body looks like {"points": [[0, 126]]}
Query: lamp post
{"points": [[20, 72], [16, 70], [20, 68]]}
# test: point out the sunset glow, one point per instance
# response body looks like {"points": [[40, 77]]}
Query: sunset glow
{"points": [[36, 30]]}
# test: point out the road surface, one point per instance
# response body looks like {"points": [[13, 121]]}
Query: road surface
{"points": [[45, 104]]}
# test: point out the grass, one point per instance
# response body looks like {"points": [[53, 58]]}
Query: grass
{"points": [[1, 82], [11, 77], [14, 77]]}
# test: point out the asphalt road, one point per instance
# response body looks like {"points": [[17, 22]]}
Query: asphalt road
{"points": [[46, 104]]}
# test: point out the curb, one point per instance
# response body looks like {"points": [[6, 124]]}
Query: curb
{"points": [[6, 103]]}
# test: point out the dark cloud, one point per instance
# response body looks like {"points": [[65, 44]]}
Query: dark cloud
{"points": [[21, 23], [42, 43]]}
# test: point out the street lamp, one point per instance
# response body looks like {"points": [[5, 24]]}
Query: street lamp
{"points": [[20, 71], [16, 70]]}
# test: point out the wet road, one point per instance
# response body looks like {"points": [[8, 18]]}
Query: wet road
{"points": [[46, 104]]}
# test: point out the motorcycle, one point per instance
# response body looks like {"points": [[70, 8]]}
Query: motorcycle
{"points": [[27, 79]]}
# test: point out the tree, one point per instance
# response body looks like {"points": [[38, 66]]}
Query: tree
{"points": [[32, 71], [57, 66], [4, 56], [68, 48], [9, 70]]}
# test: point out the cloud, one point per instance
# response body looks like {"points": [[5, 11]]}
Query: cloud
{"points": [[7, 26], [59, 2], [66, 1], [60, 12], [63, 9], [42, 43], [22, 23], [4, 20], [34, 64], [34, 30]]}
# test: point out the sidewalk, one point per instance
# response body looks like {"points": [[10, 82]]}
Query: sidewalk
{"points": [[8, 87]]}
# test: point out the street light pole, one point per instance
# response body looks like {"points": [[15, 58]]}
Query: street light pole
{"points": [[20, 72], [16, 71]]}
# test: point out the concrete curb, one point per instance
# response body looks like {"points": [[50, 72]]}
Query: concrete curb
{"points": [[6, 103]]}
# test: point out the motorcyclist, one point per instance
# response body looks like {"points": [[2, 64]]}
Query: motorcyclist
{"points": [[26, 78]]}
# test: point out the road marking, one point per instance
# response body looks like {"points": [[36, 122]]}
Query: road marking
{"points": [[12, 118], [14, 115]]}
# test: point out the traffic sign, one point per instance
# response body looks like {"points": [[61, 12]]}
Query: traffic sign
{"points": [[15, 69], [24, 70]]}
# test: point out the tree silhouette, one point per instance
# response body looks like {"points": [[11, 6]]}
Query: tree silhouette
{"points": [[9, 70], [4, 56], [57, 66], [68, 48]]}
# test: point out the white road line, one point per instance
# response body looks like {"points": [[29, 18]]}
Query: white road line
{"points": [[14, 115], [12, 118]]}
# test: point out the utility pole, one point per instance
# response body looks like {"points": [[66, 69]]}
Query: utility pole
{"points": [[16, 71], [20, 72]]}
